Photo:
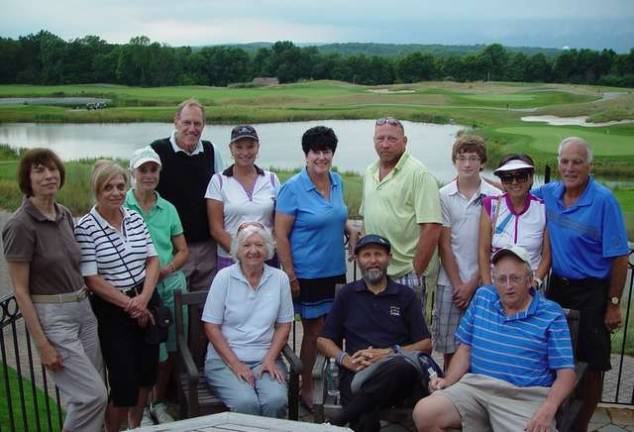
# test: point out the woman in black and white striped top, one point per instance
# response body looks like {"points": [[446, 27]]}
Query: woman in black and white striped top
{"points": [[120, 265]]}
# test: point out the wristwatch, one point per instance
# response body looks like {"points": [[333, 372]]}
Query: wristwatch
{"points": [[615, 300]]}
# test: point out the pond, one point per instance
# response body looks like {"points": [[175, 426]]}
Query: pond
{"points": [[280, 142]]}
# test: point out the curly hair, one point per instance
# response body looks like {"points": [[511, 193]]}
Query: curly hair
{"points": [[319, 138]]}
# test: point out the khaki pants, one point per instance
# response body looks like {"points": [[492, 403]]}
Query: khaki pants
{"points": [[200, 267], [490, 404], [72, 330]]}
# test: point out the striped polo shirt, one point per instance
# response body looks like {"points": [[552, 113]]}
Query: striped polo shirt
{"points": [[524, 349], [123, 267]]}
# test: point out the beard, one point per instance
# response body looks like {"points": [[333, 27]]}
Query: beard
{"points": [[372, 276]]}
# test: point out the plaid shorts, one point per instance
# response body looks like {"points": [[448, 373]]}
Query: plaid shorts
{"points": [[416, 283], [446, 317]]}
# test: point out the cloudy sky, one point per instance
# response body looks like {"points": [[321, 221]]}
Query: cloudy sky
{"points": [[593, 24]]}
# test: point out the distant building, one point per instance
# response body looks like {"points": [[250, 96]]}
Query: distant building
{"points": [[266, 80]]}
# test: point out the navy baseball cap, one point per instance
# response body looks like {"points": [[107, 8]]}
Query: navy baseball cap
{"points": [[372, 239], [243, 131]]}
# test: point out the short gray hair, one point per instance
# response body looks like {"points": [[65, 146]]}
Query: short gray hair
{"points": [[242, 235], [574, 139]]}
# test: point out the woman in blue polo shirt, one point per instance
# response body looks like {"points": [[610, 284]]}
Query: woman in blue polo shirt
{"points": [[310, 222]]}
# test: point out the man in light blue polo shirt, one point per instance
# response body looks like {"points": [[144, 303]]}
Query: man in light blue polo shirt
{"points": [[589, 261], [514, 366]]}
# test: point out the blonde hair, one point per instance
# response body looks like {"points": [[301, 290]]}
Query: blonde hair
{"points": [[103, 171]]}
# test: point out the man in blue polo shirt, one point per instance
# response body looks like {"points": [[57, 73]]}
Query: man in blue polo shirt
{"points": [[376, 317], [514, 365], [589, 261]]}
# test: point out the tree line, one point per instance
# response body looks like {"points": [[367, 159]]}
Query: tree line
{"points": [[45, 58]]}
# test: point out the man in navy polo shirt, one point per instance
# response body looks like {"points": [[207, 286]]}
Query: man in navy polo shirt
{"points": [[514, 365], [589, 261], [376, 317]]}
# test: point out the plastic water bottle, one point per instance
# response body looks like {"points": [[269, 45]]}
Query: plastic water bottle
{"points": [[333, 382]]}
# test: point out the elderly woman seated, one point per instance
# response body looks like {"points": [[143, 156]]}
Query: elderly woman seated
{"points": [[247, 316]]}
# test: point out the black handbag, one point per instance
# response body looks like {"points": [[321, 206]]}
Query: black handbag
{"points": [[157, 333], [154, 333]]}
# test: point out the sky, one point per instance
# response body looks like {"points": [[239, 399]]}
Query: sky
{"points": [[594, 24]]}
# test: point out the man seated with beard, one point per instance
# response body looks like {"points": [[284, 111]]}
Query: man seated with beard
{"points": [[376, 318]]}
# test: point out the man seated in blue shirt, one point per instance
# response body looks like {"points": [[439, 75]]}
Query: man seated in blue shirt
{"points": [[376, 317], [514, 365]]}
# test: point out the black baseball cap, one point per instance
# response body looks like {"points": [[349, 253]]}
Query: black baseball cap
{"points": [[243, 131], [372, 239]]}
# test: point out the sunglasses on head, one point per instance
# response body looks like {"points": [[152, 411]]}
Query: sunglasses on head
{"points": [[388, 120], [520, 177], [247, 224]]}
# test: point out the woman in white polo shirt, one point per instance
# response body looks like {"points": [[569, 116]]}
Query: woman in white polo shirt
{"points": [[121, 267], [515, 218], [247, 316], [243, 192]]}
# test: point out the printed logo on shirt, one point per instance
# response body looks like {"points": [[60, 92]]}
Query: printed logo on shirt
{"points": [[395, 311]]}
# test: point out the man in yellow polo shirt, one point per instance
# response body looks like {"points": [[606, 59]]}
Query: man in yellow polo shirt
{"points": [[401, 203]]}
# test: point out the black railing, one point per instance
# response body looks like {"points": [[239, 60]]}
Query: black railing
{"points": [[618, 385], [30, 401]]}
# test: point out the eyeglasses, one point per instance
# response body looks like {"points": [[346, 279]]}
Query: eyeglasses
{"points": [[472, 159], [520, 177], [243, 225], [389, 120], [504, 280]]}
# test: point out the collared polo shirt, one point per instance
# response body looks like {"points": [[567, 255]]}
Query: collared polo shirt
{"points": [[118, 256], [395, 206], [317, 235], [364, 319], [218, 163], [524, 228], [162, 221], [524, 349], [462, 216], [241, 205], [587, 236], [248, 316], [48, 246]]}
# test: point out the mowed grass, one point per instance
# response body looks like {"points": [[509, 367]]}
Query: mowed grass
{"points": [[31, 400], [488, 108], [541, 138]]}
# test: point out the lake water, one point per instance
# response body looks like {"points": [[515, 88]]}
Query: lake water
{"points": [[280, 142]]}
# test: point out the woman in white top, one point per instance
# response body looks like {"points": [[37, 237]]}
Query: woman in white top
{"points": [[243, 192], [247, 316], [515, 218]]}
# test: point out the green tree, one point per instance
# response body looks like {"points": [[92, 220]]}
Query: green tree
{"points": [[415, 67]]}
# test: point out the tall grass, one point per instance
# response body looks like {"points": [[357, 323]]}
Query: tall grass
{"points": [[75, 194]]}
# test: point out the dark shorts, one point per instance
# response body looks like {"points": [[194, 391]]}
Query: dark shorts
{"points": [[131, 363], [590, 298], [316, 296]]}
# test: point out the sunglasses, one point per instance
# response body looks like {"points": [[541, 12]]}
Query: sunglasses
{"points": [[248, 224], [388, 120], [520, 177]]}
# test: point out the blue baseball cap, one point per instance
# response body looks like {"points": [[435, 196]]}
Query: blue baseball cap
{"points": [[372, 239]]}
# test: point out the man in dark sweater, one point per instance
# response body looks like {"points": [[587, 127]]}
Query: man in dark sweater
{"points": [[187, 166]]}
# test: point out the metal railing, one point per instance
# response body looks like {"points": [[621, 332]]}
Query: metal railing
{"points": [[618, 385], [30, 401]]}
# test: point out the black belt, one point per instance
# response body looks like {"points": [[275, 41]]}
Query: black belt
{"points": [[579, 282]]}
